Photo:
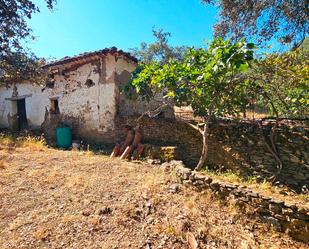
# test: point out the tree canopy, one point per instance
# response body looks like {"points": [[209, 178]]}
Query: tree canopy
{"points": [[209, 80], [284, 20], [282, 83], [160, 50], [19, 66], [16, 63], [13, 22]]}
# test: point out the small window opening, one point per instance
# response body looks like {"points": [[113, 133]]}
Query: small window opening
{"points": [[54, 107]]}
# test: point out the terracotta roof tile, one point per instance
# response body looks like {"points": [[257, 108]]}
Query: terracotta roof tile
{"points": [[68, 59]]}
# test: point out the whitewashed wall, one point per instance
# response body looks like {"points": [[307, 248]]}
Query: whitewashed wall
{"points": [[35, 105], [90, 109], [93, 106]]}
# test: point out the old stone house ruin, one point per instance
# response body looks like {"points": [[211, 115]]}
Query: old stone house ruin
{"points": [[83, 92]]}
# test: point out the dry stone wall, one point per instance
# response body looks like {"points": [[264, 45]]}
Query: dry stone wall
{"points": [[239, 147], [284, 217]]}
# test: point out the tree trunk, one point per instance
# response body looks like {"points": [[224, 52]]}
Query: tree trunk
{"points": [[203, 157]]}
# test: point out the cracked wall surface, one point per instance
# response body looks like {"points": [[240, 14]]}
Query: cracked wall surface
{"points": [[88, 97], [93, 105], [86, 92]]}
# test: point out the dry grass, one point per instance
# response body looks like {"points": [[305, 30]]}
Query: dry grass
{"points": [[65, 199], [168, 229], [2, 164], [7, 139], [31, 142], [41, 233]]}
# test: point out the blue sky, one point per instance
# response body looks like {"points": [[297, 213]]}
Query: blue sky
{"points": [[77, 26]]}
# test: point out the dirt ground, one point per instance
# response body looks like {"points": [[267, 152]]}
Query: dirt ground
{"points": [[65, 199]]}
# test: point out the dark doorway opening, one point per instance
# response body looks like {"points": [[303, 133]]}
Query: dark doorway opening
{"points": [[21, 114], [54, 106]]}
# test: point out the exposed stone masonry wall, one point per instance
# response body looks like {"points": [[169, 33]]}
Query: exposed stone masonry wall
{"points": [[284, 217], [239, 147]]}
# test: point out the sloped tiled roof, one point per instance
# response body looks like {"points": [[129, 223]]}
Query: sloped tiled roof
{"points": [[68, 59]]}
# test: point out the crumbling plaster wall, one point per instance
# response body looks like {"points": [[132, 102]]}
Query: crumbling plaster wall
{"points": [[87, 103], [34, 101], [87, 94], [89, 108], [89, 98]]}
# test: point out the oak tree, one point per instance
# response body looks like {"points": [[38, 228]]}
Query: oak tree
{"points": [[284, 20], [160, 50], [16, 62]]}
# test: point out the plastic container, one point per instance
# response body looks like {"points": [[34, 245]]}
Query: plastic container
{"points": [[64, 137]]}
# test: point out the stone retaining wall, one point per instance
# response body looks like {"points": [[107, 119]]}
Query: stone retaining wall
{"points": [[284, 217], [239, 147]]}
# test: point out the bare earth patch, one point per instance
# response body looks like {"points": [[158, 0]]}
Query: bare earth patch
{"points": [[65, 199]]}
